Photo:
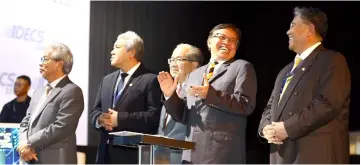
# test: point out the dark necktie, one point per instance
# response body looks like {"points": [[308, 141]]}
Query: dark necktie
{"points": [[120, 87]]}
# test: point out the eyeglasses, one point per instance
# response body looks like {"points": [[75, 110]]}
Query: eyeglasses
{"points": [[44, 60], [178, 60], [223, 38]]}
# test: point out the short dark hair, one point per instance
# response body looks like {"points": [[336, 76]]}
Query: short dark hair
{"points": [[314, 16], [26, 78], [226, 26]]}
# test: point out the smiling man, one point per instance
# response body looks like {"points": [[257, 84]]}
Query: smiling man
{"points": [[127, 100], [215, 101], [306, 118]]}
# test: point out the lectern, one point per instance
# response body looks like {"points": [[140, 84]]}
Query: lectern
{"points": [[152, 149]]}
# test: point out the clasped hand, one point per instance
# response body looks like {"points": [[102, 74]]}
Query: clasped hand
{"points": [[26, 152], [275, 132], [108, 120]]}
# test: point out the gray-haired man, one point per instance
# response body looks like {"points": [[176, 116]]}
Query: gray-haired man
{"points": [[184, 60], [47, 132]]}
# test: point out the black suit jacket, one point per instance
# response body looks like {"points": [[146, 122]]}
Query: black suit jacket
{"points": [[138, 107], [314, 108]]}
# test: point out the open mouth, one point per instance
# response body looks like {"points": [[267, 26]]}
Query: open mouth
{"points": [[222, 48]]}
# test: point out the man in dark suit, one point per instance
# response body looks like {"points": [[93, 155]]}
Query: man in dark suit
{"points": [[127, 100], [185, 58], [215, 101], [47, 132], [15, 110], [306, 118]]}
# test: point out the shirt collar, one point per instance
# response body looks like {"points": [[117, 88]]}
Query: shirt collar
{"points": [[131, 71], [55, 82], [219, 61], [308, 51]]}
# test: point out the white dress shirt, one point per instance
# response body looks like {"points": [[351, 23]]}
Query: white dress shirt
{"points": [[307, 52]]}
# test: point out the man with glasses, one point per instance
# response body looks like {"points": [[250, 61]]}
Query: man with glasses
{"points": [[47, 132], [184, 60], [215, 101], [15, 110]]}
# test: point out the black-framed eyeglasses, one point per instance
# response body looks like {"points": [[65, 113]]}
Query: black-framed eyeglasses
{"points": [[223, 38], [177, 60]]}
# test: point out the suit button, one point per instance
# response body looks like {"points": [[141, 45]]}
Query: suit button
{"points": [[296, 93], [290, 113]]}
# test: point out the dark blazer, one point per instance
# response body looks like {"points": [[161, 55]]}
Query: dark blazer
{"points": [[52, 130], [314, 108], [217, 123], [138, 107]]}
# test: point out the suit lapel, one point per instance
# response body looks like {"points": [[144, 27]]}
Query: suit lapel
{"points": [[279, 81], [131, 84], [110, 91], [299, 72], [51, 96], [169, 126], [220, 71], [54, 92]]}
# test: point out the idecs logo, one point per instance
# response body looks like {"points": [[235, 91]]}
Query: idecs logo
{"points": [[7, 79], [27, 33]]}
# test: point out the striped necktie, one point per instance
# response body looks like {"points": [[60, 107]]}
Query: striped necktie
{"points": [[289, 78], [211, 69]]}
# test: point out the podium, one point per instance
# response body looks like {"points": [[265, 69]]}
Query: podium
{"points": [[152, 149]]}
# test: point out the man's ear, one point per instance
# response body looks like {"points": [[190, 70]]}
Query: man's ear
{"points": [[131, 53], [209, 43], [195, 65], [60, 65], [311, 29]]}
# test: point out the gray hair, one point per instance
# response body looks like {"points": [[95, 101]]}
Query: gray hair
{"points": [[314, 16], [133, 41], [61, 52], [193, 53]]}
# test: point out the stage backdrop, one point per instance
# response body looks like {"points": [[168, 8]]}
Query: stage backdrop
{"points": [[26, 27]]}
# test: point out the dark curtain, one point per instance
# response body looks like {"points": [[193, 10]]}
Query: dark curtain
{"points": [[163, 25]]}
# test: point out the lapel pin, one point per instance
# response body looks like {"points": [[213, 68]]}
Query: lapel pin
{"points": [[303, 69], [130, 84]]}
